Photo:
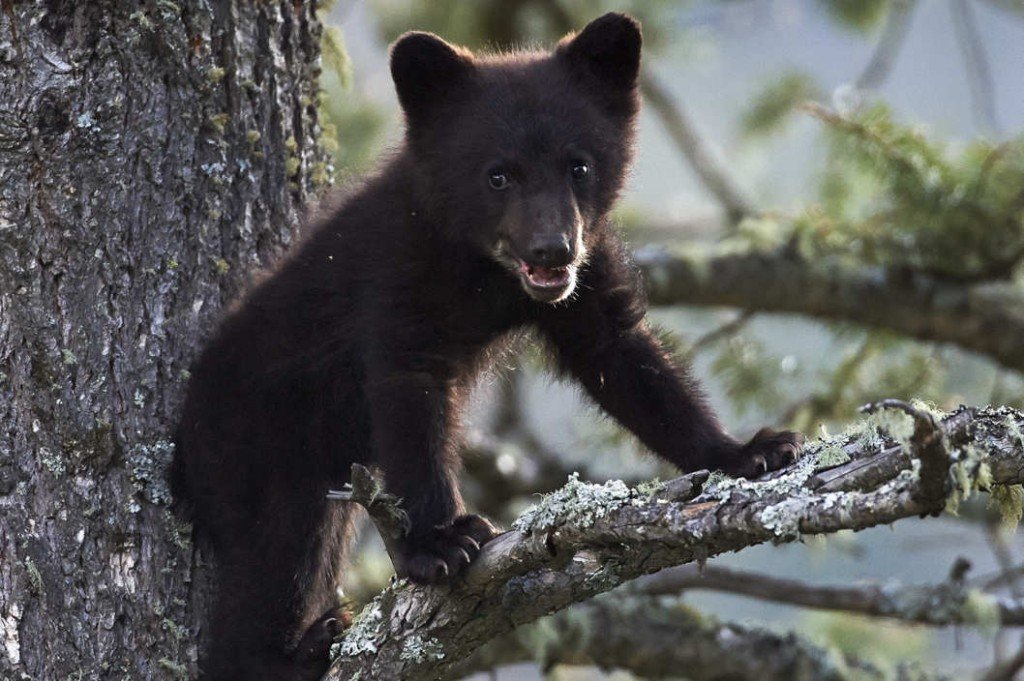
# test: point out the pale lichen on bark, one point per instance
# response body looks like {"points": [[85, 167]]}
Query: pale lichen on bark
{"points": [[579, 503]]}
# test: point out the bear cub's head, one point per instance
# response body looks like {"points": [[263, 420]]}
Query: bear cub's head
{"points": [[520, 156]]}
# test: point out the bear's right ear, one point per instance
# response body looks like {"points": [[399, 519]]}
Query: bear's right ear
{"points": [[426, 70], [607, 53]]}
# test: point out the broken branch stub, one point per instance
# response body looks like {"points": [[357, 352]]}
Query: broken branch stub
{"points": [[384, 509]]}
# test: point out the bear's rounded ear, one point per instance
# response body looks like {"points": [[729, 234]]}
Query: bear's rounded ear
{"points": [[608, 48], [426, 69]]}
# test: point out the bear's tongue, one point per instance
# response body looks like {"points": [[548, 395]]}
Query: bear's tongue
{"points": [[546, 276]]}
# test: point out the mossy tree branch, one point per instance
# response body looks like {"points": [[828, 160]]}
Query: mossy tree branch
{"points": [[586, 539], [984, 318]]}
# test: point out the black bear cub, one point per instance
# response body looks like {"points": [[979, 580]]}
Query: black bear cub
{"points": [[491, 217]]}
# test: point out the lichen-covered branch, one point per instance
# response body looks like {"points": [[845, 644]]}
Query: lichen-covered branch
{"points": [[984, 318], [586, 539], [927, 442], [659, 638]]}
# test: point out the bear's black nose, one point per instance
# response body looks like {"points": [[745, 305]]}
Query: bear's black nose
{"points": [[550, 251]]}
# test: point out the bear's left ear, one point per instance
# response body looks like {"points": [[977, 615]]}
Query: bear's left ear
{"points": [[426, 70], [608, 49]]}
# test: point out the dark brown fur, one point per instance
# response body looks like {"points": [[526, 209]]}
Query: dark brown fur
{"points": [[360, 347]]}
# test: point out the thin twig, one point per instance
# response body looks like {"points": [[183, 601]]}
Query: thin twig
{"points": [[1002, 579], [716, 334], [1004, 557], [888, 46], [1006, 671], [979, 73], [681, 129], [934, 604], [384, 509]]}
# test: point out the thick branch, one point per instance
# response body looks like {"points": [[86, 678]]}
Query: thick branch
{"points": [[987, 319], [587, 539], [657, 638]]}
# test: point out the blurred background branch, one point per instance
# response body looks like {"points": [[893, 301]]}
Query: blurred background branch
{"points": [[948, 603], [698, 153], [982, 318], [979, 73], [656, 638], [888, 46]]}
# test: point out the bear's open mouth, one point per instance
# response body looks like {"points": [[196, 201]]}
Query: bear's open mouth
{"points": [[546, 277], [547, 284]]}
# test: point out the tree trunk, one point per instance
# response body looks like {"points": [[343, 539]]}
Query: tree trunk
{"points": [[152, 154]]}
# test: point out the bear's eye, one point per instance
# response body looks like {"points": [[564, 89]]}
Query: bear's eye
{"points": [[580, 170], [498, 180]]}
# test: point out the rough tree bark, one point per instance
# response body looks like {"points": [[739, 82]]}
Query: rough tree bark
{"points": [[151, 154]]}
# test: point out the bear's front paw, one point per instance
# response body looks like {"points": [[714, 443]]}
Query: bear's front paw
{"points": [[444, 552], [768, 450]]}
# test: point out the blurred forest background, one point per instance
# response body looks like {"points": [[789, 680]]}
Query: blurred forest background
{"points": [[869, 136]]}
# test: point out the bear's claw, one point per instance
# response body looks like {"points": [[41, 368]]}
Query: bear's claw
{"points": [[767, 451], [443, 553]]}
